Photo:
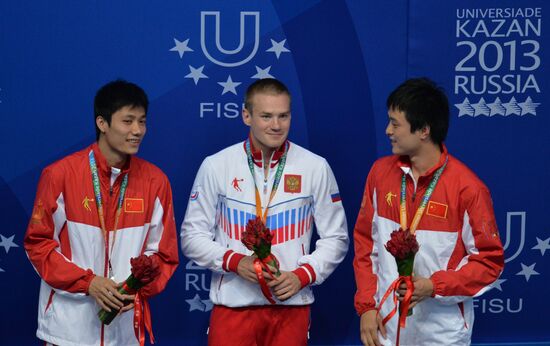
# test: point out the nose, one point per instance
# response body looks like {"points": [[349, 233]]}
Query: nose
{"points": [[275, 123], [137, 128], [389, 131]]}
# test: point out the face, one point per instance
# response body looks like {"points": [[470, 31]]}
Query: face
{"points": [[123, 136], [270, 121], [404, 142]]}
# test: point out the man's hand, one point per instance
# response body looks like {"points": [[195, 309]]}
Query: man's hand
{"points": [[245, 269], [128, 300], [105, 293], [370, 323], [422, 288], [285, 286]]}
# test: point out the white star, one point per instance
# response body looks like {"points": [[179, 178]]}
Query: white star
{"points": [[207, 304], [262, 73], [465, 108], [196, 303], [181, 47], [542, 245], [196, 74], [527, 271], [498, 284], [512, 107], [278, 48], [481, 108], [496, 107], [529, 107], [229, 86], [7, 243]]}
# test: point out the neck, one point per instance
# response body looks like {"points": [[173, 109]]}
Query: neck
{"points": [[113, 158], [425, 159]]}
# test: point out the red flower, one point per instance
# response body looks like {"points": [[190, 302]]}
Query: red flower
{"points": [[145, 268], [257, 238], [402, 244]]}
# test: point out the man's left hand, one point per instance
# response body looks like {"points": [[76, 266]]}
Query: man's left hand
{"points": [[128, 300], [285, 286], [423, 288]]}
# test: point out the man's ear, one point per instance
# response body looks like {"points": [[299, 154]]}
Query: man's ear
{"points": [[101, 124], [425, 132], [247, 117]]}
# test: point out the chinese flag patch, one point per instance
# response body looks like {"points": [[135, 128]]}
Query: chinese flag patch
{"points": [[293, 183], [133, 205], [437, 209]]}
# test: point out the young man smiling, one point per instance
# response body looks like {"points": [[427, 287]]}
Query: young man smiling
{"points": [[218, 212], [94, 210], [424, 190]]}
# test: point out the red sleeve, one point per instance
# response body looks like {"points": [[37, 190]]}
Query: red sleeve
{"points": [[166, 252], [482, 258], [365, 278], [42, 237]]}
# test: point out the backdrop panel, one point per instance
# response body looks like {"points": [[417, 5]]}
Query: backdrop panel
{"points": [[340, 60]]}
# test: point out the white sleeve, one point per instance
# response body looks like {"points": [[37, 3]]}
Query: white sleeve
{"points": [[331, 225], [198, 227]]}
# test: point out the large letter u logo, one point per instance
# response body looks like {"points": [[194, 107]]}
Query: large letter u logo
{"points": [[239, 48]]}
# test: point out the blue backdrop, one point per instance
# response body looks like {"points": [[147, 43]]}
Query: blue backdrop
{"points": [[340, 59]]}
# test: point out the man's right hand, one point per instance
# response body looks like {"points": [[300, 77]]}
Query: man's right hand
{"points": [[246, 270], [371, 322], [105, 293]]}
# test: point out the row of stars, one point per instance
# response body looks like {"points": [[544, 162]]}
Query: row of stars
{"points": [[229, 85], [527, 270], [183, 46], [497, 107]]}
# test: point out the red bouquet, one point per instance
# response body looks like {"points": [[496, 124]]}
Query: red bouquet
{"points": [[145, 269], [258, 238], [403, 246]]}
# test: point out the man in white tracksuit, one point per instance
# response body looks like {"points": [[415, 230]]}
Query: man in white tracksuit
{"points": [[295, 189]]}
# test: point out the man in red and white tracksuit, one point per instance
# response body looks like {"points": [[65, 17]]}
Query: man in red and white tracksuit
{"points": [[81, 259], [222, 201], [460, 253]]}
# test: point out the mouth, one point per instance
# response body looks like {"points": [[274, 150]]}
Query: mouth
{"points": [[134, 141]]}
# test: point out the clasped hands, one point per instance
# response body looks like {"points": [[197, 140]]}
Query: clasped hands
{"points": [[105, 293], [283, 287]]}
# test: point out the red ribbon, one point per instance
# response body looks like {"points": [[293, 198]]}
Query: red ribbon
{"points": [[403, 307], [259, 266], [142, 319]]}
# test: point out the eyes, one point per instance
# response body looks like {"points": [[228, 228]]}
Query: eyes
{"points": [[129, 121], [268, 117]]}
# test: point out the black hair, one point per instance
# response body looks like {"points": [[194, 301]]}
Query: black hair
{"points": [[424, 104]]}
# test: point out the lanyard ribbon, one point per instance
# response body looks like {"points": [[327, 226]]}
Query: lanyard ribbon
{"points": [[276, 181], [100, 212], [425, 199]]}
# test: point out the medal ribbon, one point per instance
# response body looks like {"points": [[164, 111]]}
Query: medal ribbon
{"points": [[276, 181], [425, 199], [100, 212]]}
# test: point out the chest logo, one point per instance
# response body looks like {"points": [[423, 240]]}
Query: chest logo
{"points": [[389, 197], [293, 183], [133, 205], [437, 209], [86, 203], [235, 184]]}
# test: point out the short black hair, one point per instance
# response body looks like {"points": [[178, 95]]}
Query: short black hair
{"points": [[115, 95], [424, 104], [264, 86]]}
